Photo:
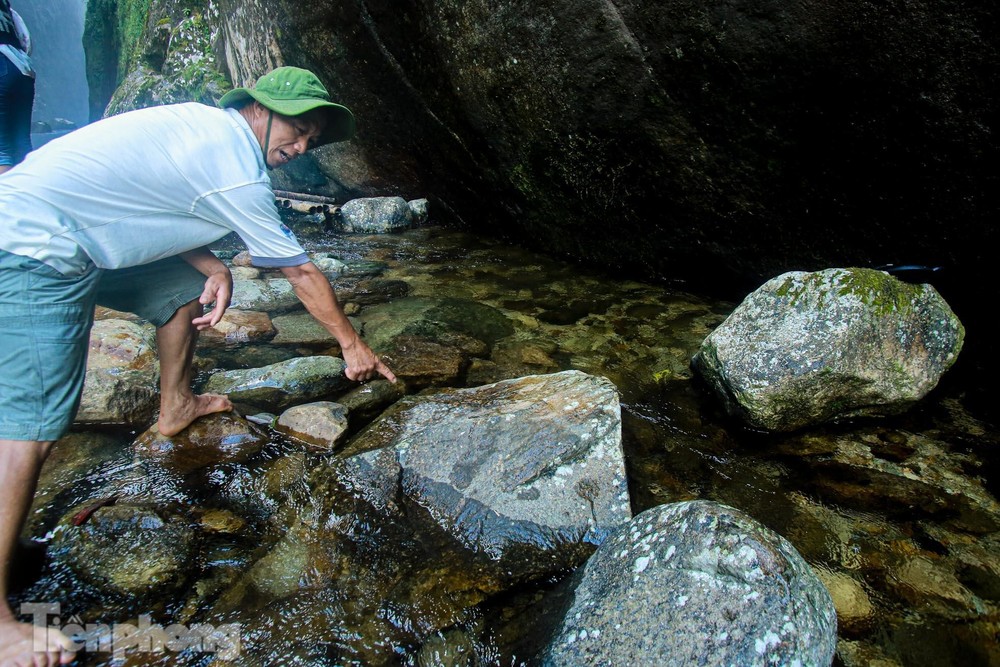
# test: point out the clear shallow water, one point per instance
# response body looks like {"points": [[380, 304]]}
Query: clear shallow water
{"points": [[897, 516]]}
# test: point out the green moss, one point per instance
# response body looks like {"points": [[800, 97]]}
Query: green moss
{"points": [[875, 289], [133, 16], [665, 375], [173, 63]]}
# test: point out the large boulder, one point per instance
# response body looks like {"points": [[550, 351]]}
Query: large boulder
{"points": [[756, 138], [581, 110], [527, 473], [696, 583], [812, 347]]}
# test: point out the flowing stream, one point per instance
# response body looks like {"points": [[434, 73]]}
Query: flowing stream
{"points": [[897, 516]]}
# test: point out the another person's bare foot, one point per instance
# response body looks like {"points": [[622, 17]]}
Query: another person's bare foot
{"points": [[178, 416], [18, 644]]}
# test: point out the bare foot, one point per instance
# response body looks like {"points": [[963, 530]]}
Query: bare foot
{"points": [[19, 646], [176, 418]]}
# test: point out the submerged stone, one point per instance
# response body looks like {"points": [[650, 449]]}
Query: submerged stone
{"points": [[433, 319], [73, 463], [301, 328], [914, 476], [128, 550], [807, 348]]}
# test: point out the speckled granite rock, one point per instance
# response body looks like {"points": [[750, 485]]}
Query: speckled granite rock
{"points": [[806, 348], [696, 583]]}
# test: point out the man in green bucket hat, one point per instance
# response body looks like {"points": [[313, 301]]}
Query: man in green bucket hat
{"points": [[120, 213], [291, 92]]}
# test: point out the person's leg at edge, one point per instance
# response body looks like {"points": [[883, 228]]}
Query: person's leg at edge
{"points": [[179, 405], [45, 319], [20, 463], [17, 93]]}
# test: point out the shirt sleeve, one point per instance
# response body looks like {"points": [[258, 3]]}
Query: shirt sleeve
{"points": [[250, 211]]}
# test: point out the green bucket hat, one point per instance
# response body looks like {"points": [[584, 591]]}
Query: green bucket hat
{"points": [[292, 91]]}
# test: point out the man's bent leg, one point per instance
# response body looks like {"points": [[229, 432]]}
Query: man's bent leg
{"points": [[179, 405], [20, 463], [166, 293]]}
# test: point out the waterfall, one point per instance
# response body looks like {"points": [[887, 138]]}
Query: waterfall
{"points": [[56, 28]]}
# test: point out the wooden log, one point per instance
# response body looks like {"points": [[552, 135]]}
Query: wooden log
{"points": [[303, 196], [301, 206]]}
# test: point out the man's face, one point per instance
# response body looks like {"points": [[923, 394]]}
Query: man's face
{"points": [[291, 136]]}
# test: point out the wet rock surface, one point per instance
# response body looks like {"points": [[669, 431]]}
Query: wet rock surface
{"points": [[213, 439], [321, 424], [104, 549], [897, 516], [279, 385], [272, 295], [239, 326]]}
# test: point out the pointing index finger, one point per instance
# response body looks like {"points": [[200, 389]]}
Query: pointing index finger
{"points": [[384, 370]]}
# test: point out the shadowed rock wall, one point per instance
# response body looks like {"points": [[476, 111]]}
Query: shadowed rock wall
{"points": [[721, 142], [670, 137]]}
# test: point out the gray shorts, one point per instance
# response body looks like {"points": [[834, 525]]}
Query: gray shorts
{"points": [[45, 320]]}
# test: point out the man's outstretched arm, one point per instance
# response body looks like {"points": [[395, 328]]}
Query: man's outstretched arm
{"points": [[315, 291]]}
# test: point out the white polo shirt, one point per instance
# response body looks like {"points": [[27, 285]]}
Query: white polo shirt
{"points": [[142, 186]]}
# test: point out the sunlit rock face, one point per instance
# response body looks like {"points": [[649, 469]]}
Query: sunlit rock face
{"points": [[123, 373], [806, 348]]}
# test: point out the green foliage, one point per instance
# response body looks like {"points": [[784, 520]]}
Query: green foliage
{"points": [[166, 50], [132, 19]]}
